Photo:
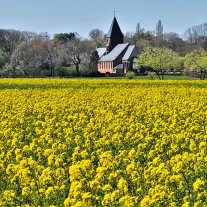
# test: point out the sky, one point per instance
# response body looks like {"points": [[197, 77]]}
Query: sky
{"points": [[83, 15]]}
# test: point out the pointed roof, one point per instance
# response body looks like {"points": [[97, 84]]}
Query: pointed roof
{"points": [[114, 30]]}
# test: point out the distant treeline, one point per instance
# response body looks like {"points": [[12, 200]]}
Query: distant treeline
{"points": [[67, 54]]}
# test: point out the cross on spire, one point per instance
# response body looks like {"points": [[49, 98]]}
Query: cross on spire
{"points": [[114, 12]]}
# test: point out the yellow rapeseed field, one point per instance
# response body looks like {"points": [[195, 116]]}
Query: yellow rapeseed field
{"points": [[119, 143]]}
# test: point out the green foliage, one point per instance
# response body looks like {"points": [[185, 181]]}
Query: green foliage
{"points": [[72, 71], [196, 61], [65, 37], [9, 71], [160, 59], [62, 71], [130, 75], [85, 71], [151, 75], [2, 58], [202, 62], [191, 60]]}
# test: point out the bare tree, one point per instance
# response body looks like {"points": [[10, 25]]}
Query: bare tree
{"points": [[78, 52], [95, 34], [139, 30], [130, 37], [196, 34], [170, 36], [188, 35], [34, 56], [29, 36], [9, 39], [28, 57], [52, 58]]}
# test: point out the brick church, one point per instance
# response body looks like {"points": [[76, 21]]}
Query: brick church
{"points": [[117, 56]]}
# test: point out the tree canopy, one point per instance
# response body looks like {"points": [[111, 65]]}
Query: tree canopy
{"points": [[66, 37], [160, 59], [2, 58], [196, 61]]}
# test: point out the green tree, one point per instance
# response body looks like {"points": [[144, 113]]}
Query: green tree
{"points": [[93, 65], [159, 29], [190, 60], [2, 58], [202, 65], [160, 59], [196, 61], [65, 37]]}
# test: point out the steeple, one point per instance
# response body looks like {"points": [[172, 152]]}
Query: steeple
{"points": [[114, 36]]}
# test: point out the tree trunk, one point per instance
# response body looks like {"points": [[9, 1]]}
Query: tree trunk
{"points": [[158, 75], [162, 75], [51, 70], [77, 61], [202, 75], [77, 69]]}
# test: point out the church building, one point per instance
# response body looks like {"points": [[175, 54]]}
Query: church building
{"points": [[117, 56]]}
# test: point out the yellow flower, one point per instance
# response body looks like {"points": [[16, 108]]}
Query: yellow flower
{"points": [[198, 184], [102, 142], [123, 185], [107, 188], [106, 200], [198, 204], [25, 191], [67, 202], [187, 204], [50, 192], [127, 201]]}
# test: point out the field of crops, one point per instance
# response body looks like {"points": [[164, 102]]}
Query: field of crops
{"points": [[115, 143]]}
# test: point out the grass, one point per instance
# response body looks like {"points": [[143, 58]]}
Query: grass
{"points": [[166, 77]]}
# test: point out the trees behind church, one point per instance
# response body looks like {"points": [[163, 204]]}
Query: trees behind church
{"points": [[97, 35], [193, 38], [24, 53]]}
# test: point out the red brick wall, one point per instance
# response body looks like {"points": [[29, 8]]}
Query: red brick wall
{"points": [[105, 67]]}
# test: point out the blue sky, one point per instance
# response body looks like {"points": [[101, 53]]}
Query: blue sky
{"points": [[83, 15]]}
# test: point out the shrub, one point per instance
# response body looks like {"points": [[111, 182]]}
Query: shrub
{"points": [[130, 75], [62, 71], [86, 72], [9, 71], [151, 75]]}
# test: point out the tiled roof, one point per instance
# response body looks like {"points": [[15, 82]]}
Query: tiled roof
{"points": [[131, 52], [101, 51], [114, 53]]}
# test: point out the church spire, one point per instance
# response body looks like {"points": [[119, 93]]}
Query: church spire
{"points": [[114, 30], [114, 36]]}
